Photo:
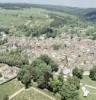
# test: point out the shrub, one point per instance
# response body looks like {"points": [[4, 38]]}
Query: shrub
{"points": [[56, 46], [78, 73], [0, 75], [93, 73], [6, 97]]}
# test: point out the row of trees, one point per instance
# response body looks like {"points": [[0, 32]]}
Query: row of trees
{"points": [[36, 31], [14, 58]]}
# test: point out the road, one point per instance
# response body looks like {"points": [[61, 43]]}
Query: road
{"points": [[90, 86], [16, 93]]}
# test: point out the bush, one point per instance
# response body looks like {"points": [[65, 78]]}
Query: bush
{"points": [[69, 92], [56, 46], [0, 75], [36, 31], [56, 83], [78, 73], [93, 73], [74, 80], [53, 35], [3, 41], [6, 97]]}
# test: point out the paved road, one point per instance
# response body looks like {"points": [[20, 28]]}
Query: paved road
{"points": [[16, 93], [90, 86]]}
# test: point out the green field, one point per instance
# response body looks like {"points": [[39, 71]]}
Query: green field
{"points": [[88, 81], [92, 94], [18, 17], [9, 88], [13, 86], [31, 94]]}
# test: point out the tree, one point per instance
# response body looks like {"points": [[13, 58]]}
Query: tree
{"points": [[38, 69], [93, 73], [50, 62], [24, 76], [69, 92], [26, 80], [54, 66], [43, 80], [78, 73], [41, 71], [21, 74], [46, 59]]}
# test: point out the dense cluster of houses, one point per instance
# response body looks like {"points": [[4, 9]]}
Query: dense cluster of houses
{"points": [[79, 51]]}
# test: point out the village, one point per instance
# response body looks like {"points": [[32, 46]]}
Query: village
{"points": [[70, 53], [47, 52], [80, 52]]}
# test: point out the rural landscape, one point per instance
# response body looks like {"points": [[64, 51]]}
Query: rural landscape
{"points": [[47, 52]]}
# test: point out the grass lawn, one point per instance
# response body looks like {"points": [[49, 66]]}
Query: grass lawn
{"points": [[89, 97], [88, 81], [9, 88], [92, 94], [31, 94]]}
